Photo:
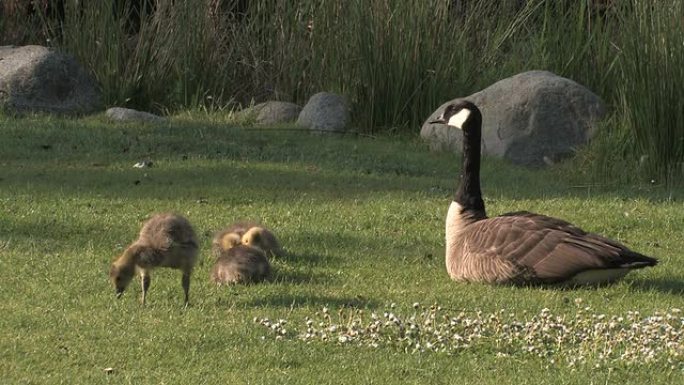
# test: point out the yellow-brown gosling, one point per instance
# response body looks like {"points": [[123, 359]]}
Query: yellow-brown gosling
{"points": [[520, 247], [230, 237], [240, 265], [263, 239], [223, 241], [165, 240]]}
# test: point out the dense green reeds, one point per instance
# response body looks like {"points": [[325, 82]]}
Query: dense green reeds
{"points": [[651, 91], [395, 60]]}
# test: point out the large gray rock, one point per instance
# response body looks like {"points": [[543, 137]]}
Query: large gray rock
{"points": [[38, 79], [325, 112], [271, 112], [533, 118], [129, 115]]}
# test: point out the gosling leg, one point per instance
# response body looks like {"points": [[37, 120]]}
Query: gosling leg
{"points": [[145, 280], [186, 286]]}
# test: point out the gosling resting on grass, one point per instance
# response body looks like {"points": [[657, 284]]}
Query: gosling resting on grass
{"points": [[240, 264], [224, 241], [520, 247], [165, 240], [230, 237], [262, 239]]}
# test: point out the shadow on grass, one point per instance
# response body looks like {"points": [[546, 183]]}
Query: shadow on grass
{"points": [[662, 285], [309, 259], [83, 152], [299, 277], [207, 184], [291, 301]]}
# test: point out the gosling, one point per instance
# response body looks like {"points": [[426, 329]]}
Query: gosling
{"points": [[240, 264], [224, 241], [165, 240], [263, 239], [229, 237]]}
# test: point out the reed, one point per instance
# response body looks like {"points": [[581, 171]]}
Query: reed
{"points": [[651, 97]]}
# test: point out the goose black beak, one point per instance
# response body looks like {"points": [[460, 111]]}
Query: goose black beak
{"points": [[439, 120], [119, 293]]}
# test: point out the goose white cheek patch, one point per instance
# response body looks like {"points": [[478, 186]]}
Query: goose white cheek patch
{"points": [[458, 119]]}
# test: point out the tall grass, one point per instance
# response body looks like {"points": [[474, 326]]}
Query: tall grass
{"points": [[573, 41], [651, 98], [174, 60], [395, 60]]}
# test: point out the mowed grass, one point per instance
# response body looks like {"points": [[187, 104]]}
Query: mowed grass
{"points": [[363, 222]]}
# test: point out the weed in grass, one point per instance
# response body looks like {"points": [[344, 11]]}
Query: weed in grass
{"points": [[588, 337]]}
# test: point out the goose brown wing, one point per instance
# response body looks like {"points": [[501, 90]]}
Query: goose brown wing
{"points": [[544, 221], [545, 249]]}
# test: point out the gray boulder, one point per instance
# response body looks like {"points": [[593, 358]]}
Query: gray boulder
{"points": [[271, 112], [129, 115], [325, 112], [531, 119], [38, 79]]}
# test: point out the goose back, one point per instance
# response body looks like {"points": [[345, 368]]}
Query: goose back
{"points": [[523, 247]]}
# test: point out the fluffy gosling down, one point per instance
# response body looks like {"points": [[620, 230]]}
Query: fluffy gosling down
{"points": [[240, 264], [262, 239], [230, 237], [224, 241], [165, 240], [520, 247]]}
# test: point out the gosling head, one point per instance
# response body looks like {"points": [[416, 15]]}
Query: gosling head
{"points": [[230, 240], [254, 237], [459, 114], [121, 275]]}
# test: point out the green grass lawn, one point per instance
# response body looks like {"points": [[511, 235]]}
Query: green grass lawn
{"points": [[363, 222]]}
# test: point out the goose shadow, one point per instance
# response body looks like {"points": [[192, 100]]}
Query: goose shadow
{"points": [[309, 259], [287, 276], [297, 301], [293, 300], [663, 285]]}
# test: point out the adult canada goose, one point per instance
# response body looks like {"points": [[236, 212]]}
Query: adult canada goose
{"points": [[240, 264], [165, 240], [520, 247], [263, 239]]}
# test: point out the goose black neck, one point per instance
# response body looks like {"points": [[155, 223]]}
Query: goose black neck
{"points": [[469, 195]]}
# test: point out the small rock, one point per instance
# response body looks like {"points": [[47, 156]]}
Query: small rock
{"points": [[325, 112], [129, 115], [272, 112]]}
